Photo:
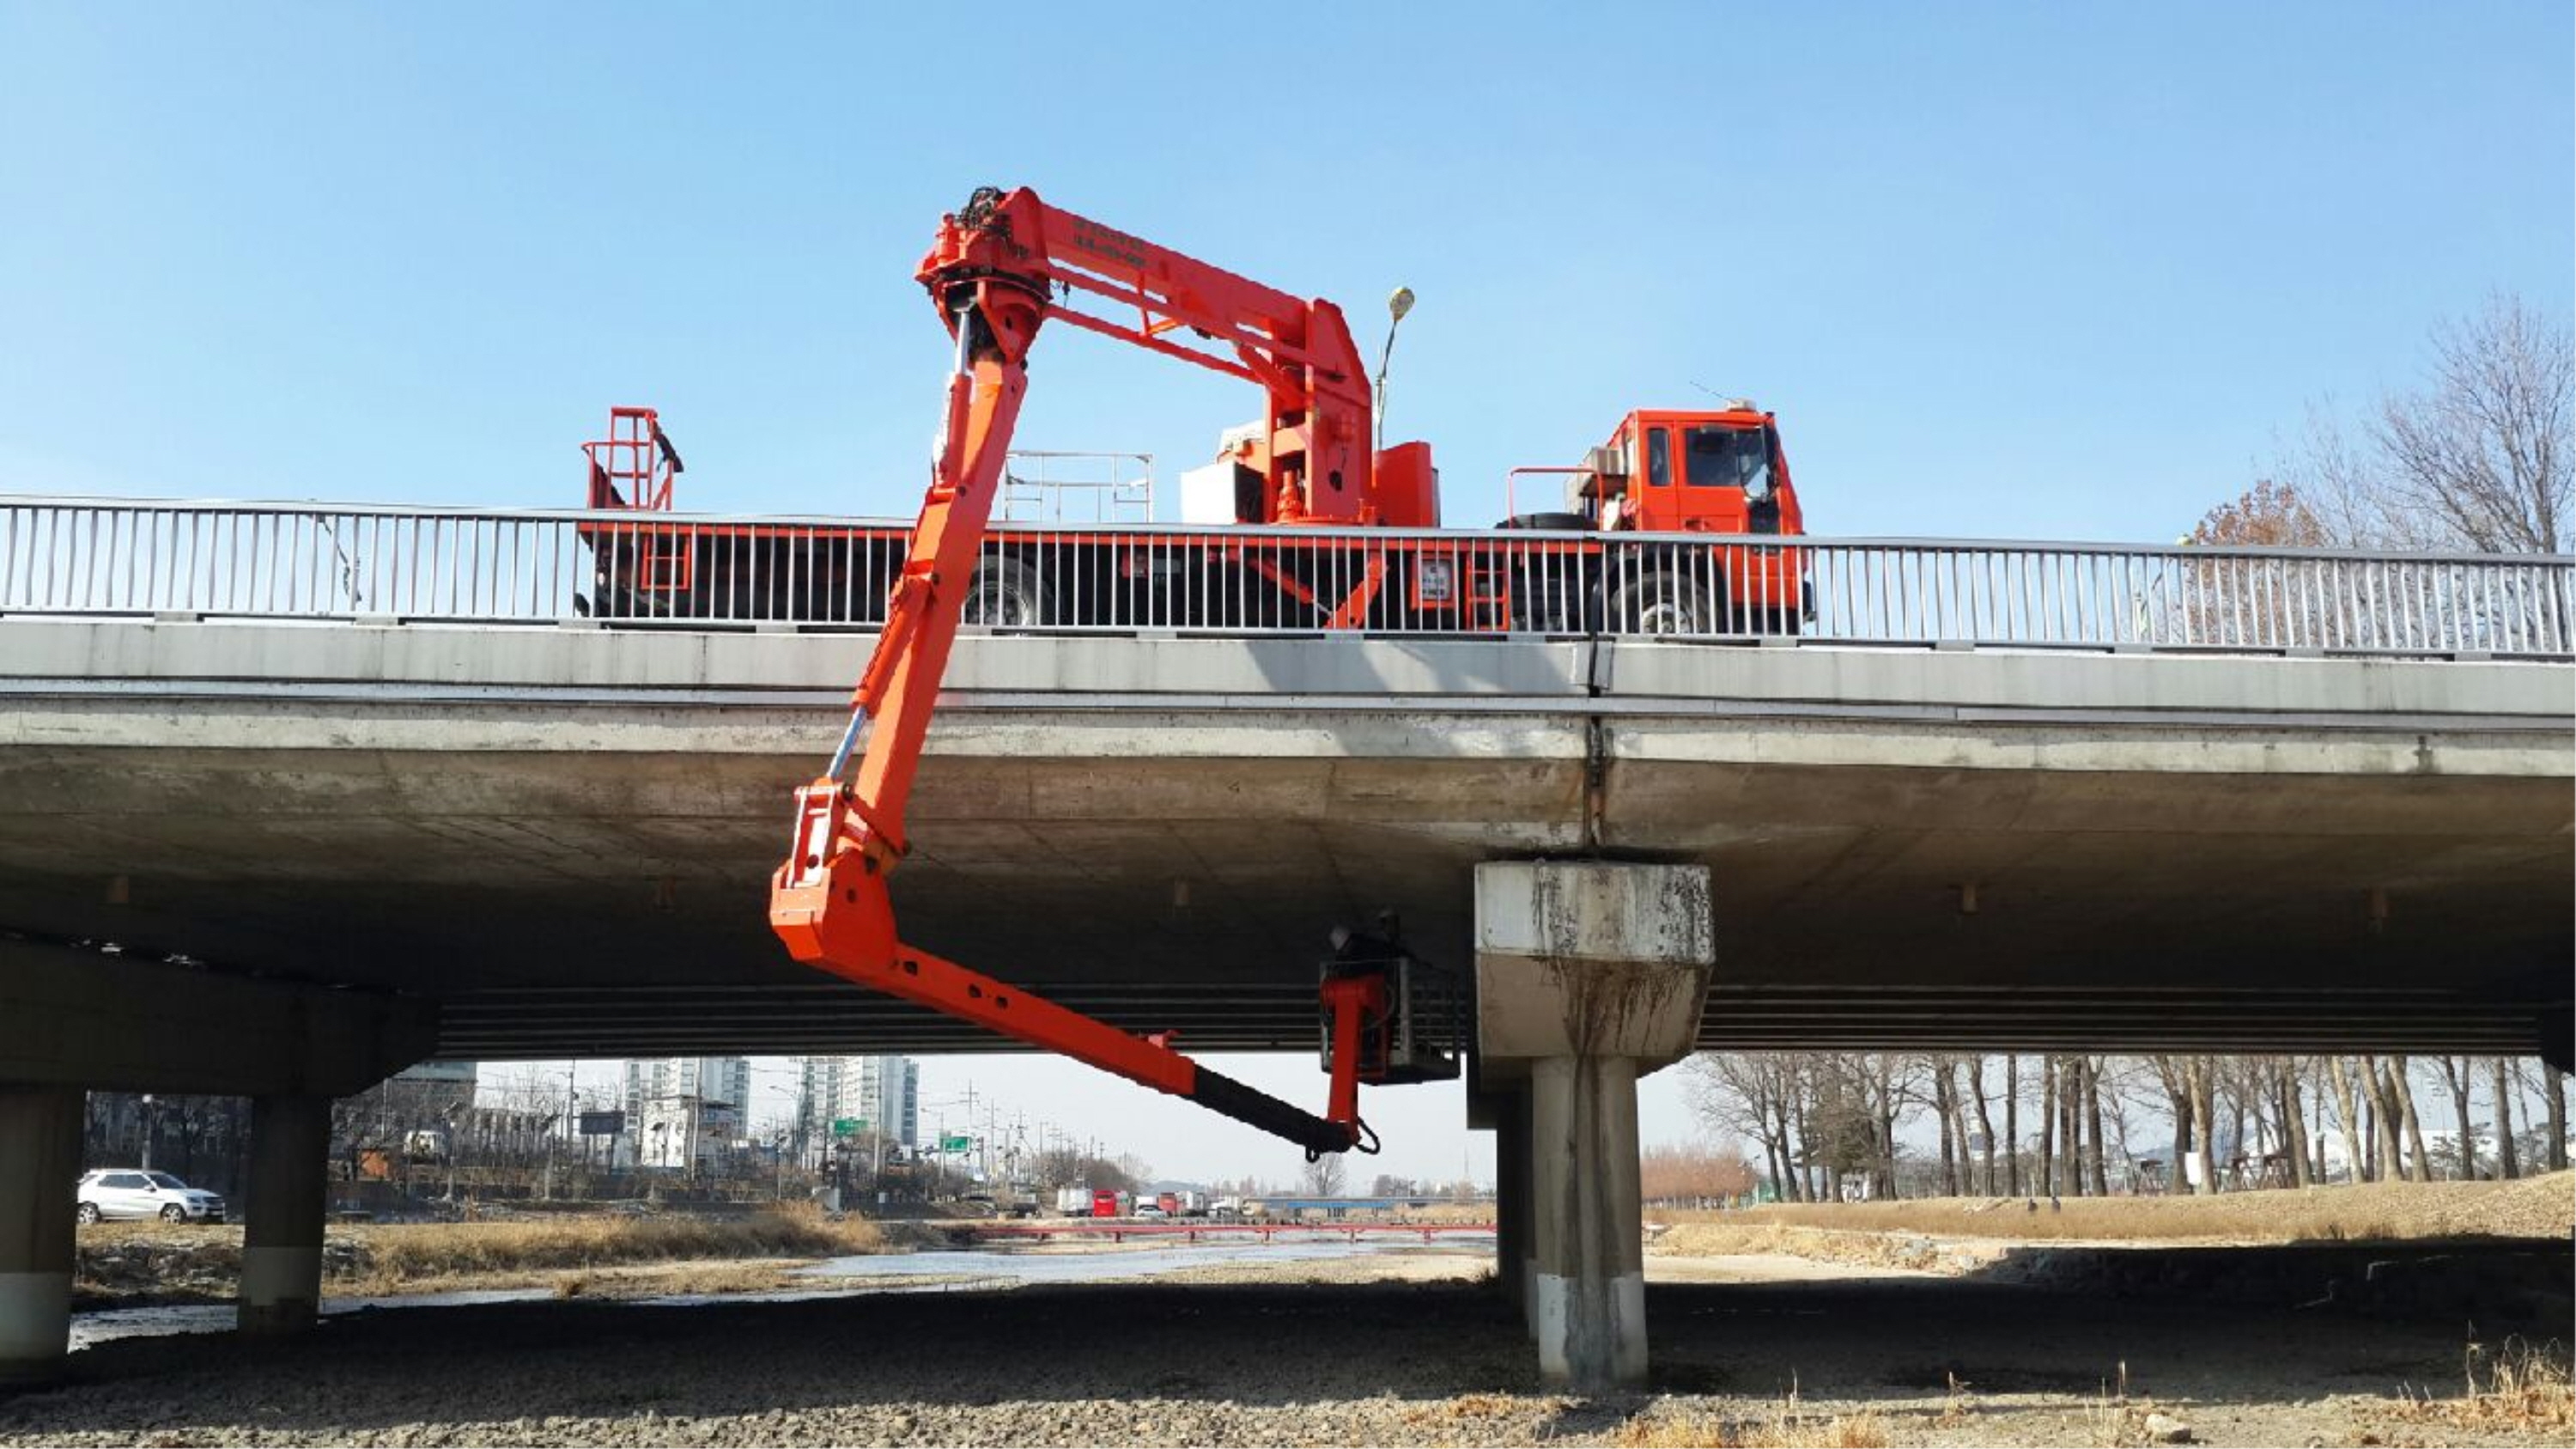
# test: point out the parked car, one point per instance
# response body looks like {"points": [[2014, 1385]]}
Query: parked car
{"points": [[1150, 1210], [132, 1192]]}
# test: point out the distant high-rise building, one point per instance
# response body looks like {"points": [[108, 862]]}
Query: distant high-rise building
{"points": [[686, 1111], [882, 1092]]}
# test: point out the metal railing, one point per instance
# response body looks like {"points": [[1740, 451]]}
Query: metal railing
{"points": [[1046, 485], [324, 562]]}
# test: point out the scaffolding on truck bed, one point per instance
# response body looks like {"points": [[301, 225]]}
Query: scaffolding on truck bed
{"points": [[1051, 486]]}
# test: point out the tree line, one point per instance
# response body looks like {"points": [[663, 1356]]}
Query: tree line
{"points": [[1832, 1126]]}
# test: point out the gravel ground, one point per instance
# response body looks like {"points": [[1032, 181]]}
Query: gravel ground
{"points": [[1393, 1348]]}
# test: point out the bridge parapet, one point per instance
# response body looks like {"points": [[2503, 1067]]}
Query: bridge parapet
{"points": [[365, 562]]}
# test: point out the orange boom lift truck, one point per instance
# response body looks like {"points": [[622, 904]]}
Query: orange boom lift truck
{"points": [[999, 271]]}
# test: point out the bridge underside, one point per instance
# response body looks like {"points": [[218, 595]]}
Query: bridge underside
{"points": [[1907, 850]]}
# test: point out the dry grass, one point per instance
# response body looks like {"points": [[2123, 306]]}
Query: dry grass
{"points": [[395, 1257], [1740, 1235], [598, 1255], [2535, 1207], [1788, 1425], [1954, 1404], [2516, 1385], [1483, 1406]]}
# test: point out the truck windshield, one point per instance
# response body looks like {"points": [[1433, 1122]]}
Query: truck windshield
{"points": [[1729, 458]]}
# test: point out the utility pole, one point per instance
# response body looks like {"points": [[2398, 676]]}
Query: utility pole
{"points": [[876, 1118], [572, 1079]]}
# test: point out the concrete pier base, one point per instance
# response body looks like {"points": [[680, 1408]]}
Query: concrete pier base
{"points": [[1588, 975], [40, 1135], [281, 1277], [1588, 1278]]}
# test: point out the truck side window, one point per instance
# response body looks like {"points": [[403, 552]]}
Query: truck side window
{"points": [[1659, 459]]}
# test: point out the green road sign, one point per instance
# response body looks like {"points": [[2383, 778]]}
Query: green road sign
{"points": [[849, 1126], [956, 1144]]}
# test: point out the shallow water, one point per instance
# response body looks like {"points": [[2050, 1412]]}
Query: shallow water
{"points": [[1031, 1265], [974, 1269], [108, 1324]]}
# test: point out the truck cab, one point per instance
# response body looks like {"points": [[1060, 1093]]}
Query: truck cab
{"points": [[1689, 471]]}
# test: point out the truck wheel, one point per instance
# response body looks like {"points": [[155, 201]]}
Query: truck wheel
{"points": [[1665, 602], [1006, 594], [1540, 610], [88, 1213]]}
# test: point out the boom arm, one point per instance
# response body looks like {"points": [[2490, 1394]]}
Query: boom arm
{"points": [[995, 273]]}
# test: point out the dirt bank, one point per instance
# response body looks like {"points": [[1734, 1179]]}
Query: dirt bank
{"points": [[2533, 1207]]}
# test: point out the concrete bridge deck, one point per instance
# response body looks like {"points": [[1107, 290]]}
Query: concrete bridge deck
{"points": [[552, 839]]}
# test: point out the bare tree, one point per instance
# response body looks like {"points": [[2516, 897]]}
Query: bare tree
{"points": [[2553, 1091], [2485, 451], [1752, 1094], [2294, 1121], [2012, 1124], [1945, 1111], [2395, 1089], [2506, 1163], [2045, 1170], [2480, 456], [2093, 1124], [1322, 1177], [2348, 1117], [2203, 1078], [1985, 1119], [2458, 1079]]}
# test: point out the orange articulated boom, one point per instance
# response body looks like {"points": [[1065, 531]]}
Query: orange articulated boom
{"points": [[1317, 453], [996, 272]]}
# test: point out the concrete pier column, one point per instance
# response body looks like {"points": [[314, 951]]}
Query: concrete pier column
{"points": [[1513, 1191], [40, 1156], [1588, 1280], [281, 1277], [1589, 974]]}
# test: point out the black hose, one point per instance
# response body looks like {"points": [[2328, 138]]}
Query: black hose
{"points": [[1220, 1093]]}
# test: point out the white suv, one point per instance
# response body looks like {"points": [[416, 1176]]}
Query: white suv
{"points": [[132, 1192]]}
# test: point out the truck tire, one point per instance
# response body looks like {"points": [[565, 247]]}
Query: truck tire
{"points": [[1549, 522], [1567, 608], [1667, 602], [1007, 594]]}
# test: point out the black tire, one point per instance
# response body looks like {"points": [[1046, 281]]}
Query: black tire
{"points": [[174, 1214], [1550, 522], [1006, 593], [87, 1214], [1569, 609], [1664, 602]]}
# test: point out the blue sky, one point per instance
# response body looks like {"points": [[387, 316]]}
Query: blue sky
{"points": [[2007, 270], [2012, 270]]}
